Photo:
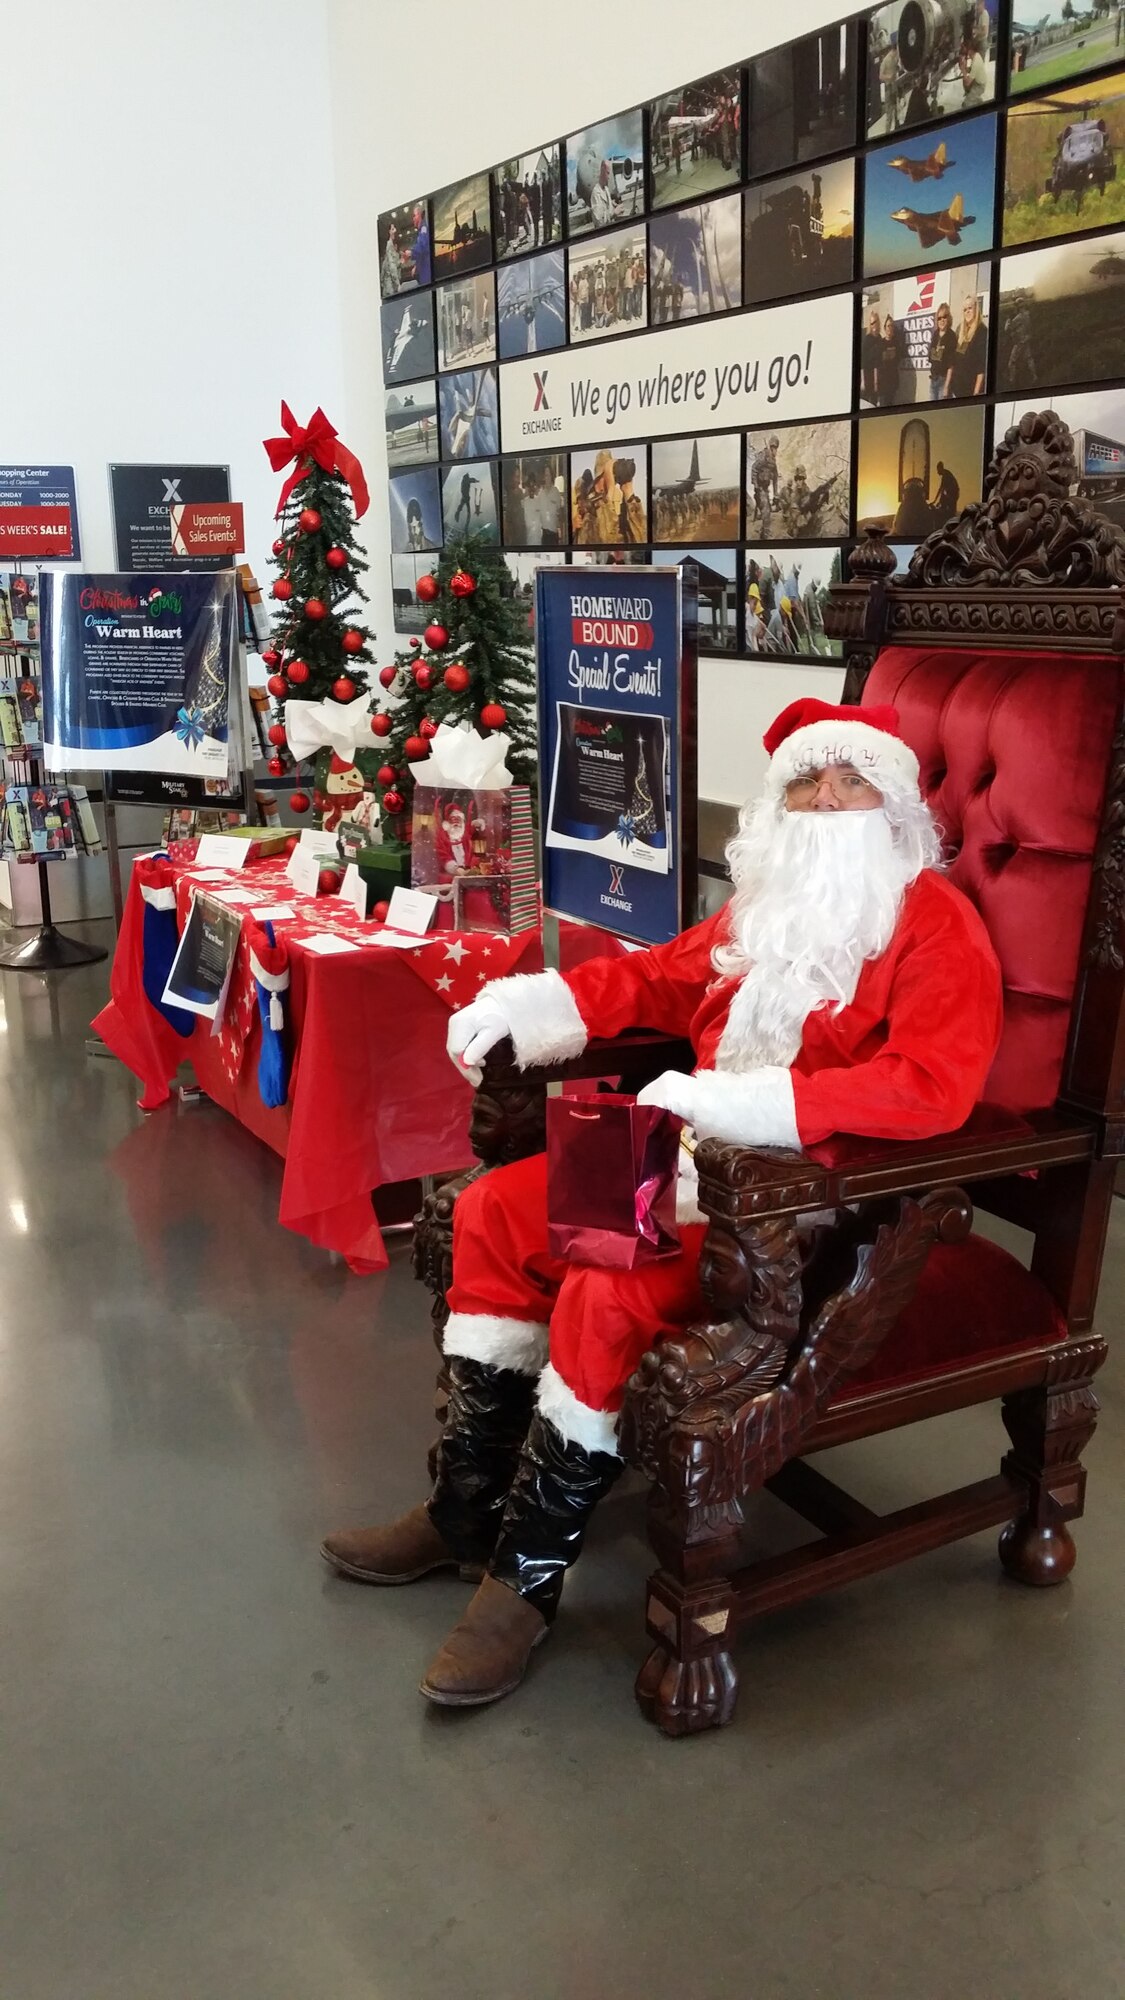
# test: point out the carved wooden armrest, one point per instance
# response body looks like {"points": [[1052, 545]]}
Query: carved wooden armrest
{"points": [[713, 1414]]}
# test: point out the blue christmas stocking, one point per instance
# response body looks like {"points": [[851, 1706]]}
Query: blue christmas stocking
{"points": [[269, 963], [160, 937]]}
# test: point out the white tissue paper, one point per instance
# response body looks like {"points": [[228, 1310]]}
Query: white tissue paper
{"points": [[459, 757], [342, 726]]}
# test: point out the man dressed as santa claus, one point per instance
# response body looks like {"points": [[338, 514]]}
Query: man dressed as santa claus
{"points": [[846, 987]]}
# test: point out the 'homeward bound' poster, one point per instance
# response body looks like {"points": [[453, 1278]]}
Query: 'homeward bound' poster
{"points": [[138, 671], [612, 657]]}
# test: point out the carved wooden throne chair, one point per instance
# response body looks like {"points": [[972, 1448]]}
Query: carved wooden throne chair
{"points": [[1002, 648]]}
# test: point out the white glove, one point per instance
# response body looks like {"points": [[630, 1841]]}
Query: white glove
{"points": [[472, 1032], [674, 1092], [754, 1109]]}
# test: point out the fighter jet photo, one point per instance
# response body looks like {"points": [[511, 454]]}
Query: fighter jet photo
{"points": [[931, 226], [931, 168]]}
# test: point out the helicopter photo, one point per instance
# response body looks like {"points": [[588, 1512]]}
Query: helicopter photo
{"points": [[1062, 163]]}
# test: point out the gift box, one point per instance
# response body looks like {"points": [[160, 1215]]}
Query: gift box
{"points": [[471, 825], [611, 1181]]}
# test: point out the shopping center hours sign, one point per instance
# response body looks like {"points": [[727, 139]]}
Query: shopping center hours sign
{"points": [[616, 667]]}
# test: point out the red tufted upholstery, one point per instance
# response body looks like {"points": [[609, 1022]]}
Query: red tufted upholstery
{"points": [[1014, 750]]}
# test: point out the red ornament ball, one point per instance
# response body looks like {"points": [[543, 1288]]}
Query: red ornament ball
{"points": [[308, 520], [462, 584], [415, 748], [387, 676], [427, 728], [393, 802], [299, 802], [276, 732], [271, 658], [276, 767], [456, 678], [415, 645], [436, 637], [278, 686], [426, 589], [493, 716], [343, 689], [282, 590], [335, 557], [352, 640], [328, 881], [379, 912], [279, 547], [298, 672], [385, 775], [423, 676], [315, 608], [380, 725]]}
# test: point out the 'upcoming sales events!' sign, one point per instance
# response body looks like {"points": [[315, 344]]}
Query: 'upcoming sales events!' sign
{"points": [[138, 671], [617, 778]]}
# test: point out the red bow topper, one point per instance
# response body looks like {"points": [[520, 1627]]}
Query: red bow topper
{"points": [[317, 442]]}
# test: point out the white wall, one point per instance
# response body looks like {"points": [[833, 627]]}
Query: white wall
{"points": [[164, 219], [427, 92]]}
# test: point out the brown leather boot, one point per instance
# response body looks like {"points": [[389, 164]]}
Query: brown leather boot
{"points": [[486, 1655], [399, 1553]]}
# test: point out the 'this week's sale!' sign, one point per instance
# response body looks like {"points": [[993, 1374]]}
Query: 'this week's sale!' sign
{"points": [[705, 375]]}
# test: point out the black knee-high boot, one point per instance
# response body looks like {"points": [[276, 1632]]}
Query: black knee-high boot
{"points": [[554, 1493], [556, 1487], [477, 1456]]}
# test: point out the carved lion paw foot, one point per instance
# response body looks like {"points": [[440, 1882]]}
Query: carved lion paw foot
{"points": [[684, 1697]]}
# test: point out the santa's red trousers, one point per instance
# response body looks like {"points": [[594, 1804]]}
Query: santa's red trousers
{"points": [[600, 1322]]}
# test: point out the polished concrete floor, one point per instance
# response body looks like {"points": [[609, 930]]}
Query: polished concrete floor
{"points": [[217, 1779]]}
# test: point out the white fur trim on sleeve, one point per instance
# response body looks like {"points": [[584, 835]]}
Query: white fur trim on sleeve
{"points": [[518, 1344], [542, 1016], [575, 1422], [755, 1109]]}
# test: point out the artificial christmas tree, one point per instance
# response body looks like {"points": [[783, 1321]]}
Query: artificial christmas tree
{"points": [[317, 647], [480, 669]]}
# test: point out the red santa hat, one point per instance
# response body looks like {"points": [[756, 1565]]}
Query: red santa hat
{"points": [[810, 734]]}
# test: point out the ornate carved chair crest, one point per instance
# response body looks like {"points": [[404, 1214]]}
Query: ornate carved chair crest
{"points": [[1002, 647]]}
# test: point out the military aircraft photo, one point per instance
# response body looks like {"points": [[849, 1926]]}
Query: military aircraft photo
{"points": [[931, 168], [932, 225], [1061, 164]]}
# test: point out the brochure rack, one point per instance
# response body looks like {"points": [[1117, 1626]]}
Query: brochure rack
{"points": [[41, 821]]}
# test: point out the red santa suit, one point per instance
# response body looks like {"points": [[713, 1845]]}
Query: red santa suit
{"points": [[906, 1057]]}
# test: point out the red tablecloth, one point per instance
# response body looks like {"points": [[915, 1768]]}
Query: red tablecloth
{"points": [[373, 1097]]}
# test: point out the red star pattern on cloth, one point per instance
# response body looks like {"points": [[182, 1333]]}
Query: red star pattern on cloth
{"points": [[453, 964]]}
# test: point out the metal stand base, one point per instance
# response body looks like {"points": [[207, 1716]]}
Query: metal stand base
{"points": [[49, 951]]}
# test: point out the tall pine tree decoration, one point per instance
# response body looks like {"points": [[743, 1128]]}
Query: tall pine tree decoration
{"points": [[477, 666], [318, 649]]}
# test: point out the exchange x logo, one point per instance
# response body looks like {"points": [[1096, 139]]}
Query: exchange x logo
{"points": [[541, 402], [615, 878], [172, 495]]}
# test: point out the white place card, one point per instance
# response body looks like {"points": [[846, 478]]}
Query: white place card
{"points": [[272, 912], [216, 851], [326, 944], [303, 869], [411, 910], [314, 837], [353, 890]]}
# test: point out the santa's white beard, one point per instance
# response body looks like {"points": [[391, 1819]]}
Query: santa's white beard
{"points": [[816, 894]]}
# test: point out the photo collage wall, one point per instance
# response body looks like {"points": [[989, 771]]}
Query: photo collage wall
{"points": [[944, 185]]}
